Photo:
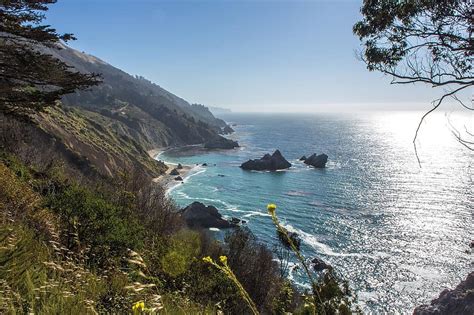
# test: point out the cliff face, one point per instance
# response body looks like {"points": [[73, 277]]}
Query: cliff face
{"points": [[86, 143], [109, 145]]}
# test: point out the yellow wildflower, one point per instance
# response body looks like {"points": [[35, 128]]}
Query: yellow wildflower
{"points": [[271, 207], [138, 306], [207, 259], [223, 259]]}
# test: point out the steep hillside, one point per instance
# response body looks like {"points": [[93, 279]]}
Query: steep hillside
{"points": [[69, 248], [108, 144], [87, 143], [109, 128], [160, 117]]}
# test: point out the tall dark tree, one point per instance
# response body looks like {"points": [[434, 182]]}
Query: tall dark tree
{"points": [[30, 77], [421, 41]]}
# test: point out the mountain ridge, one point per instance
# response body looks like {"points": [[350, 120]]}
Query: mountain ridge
{"points": [[119, 91], [109, 128]]}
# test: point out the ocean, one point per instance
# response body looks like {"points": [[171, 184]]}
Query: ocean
{"points": [[398, 232]]}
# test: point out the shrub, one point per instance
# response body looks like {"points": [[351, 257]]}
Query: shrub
{"points": [[254, 266], [107, 228], [184, 247]]}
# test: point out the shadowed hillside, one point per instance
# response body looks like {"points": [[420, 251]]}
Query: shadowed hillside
{"points": [[109, 128], [140, 104]]}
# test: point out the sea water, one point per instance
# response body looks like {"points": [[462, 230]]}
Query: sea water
{"points": [[398, 232]]}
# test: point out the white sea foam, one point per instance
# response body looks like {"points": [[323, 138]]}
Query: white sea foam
{"points": [[312, 241], [254, 213], [292, 270], [225, 205], [193, 172]]}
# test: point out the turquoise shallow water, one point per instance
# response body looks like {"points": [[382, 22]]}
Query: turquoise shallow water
{"points": [[398, 232]]}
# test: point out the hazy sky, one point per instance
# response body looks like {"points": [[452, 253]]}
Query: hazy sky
{"points": [[243, 55]]}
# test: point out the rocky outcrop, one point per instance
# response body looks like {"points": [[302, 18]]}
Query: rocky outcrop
{"points": [[227, 130], [238, 221], [198, 215], [174, 172], [303, 158], [268, 162], [179, 167], [460, 300], [221, 143], [178, 178], [317, 161], [283, 236], [320, 265]]}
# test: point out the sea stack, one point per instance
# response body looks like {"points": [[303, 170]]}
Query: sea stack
{"points": [[268, 162], [317, 161], [198, 215]]}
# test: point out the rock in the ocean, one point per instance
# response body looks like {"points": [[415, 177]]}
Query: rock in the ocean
{"points": [[237, 221], [198, 215], [268, 162], [178, 178], [221, 143], [320, 265], [204, 164], [294, 237], [460, 300], [174, 172], [303, 158], [179, 167], [317, 161]]}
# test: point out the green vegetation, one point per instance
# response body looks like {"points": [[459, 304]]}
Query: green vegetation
{"points": [[330, 294], [32, 79], [83, 229], [108, 143], [65, 247]]}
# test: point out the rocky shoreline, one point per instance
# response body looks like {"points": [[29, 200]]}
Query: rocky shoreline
{"points": [[196, 214], [459, 300], [170, 179]]}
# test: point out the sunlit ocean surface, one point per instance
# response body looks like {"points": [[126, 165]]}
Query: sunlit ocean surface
{"points": [[399, 233]]}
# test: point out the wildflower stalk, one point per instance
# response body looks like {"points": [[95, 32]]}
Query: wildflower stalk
{"points": [[271, 210], [139, 307], [227, 271]]}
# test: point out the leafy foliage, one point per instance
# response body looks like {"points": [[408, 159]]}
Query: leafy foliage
{"points": [[31, 79], [426, 41], [422, 41], [98, 222], [76, 249]]}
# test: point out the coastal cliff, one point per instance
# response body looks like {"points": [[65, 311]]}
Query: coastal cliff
{"points": [[110, 127]]}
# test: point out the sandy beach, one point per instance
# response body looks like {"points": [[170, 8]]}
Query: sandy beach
{"points": [[167, 180]]}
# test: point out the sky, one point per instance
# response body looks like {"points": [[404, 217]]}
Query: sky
{"points": [[282, 56]]}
